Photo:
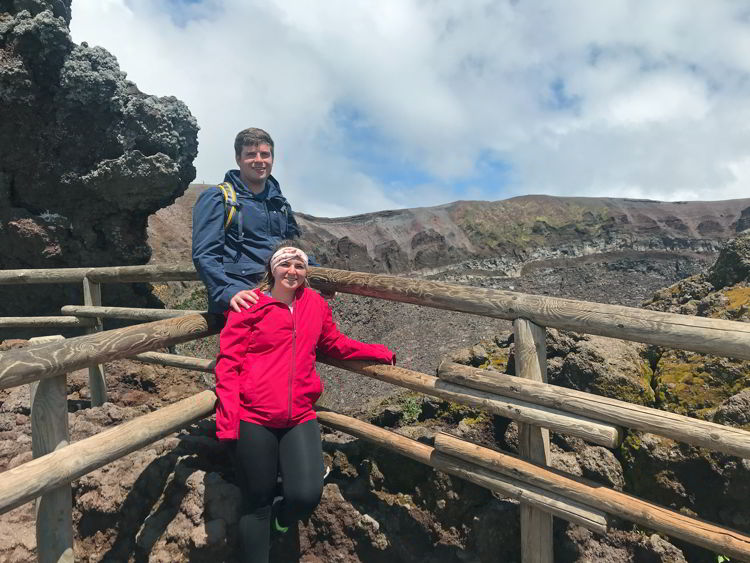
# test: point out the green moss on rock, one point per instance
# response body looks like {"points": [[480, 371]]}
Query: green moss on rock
{"points": [[196, 300], [696, 384], [738, 296], [497, 359]]}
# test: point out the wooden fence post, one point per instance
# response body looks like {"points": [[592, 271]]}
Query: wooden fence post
{"points": [[533, 441], [92, 295], [49, 431]]}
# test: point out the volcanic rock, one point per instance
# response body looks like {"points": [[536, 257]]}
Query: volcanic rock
{"points": [[595, 364], [735, 411], [86, 157], [733, 264]]}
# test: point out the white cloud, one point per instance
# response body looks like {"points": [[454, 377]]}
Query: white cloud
{"points": [[623, 98]]}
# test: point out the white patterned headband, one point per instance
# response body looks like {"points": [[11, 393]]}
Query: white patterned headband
{"points": [[285, 254]]}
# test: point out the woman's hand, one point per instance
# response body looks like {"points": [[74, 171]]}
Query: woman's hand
{"points": [[243, 300]]}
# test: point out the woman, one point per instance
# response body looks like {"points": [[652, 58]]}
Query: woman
{"points": [[267, 386]]}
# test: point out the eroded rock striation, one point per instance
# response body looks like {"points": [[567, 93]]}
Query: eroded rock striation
{"points": [[503, 236], [85, 157]]}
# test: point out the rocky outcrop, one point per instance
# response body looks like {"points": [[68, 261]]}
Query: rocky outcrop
{"points": [[85, 156], [733, 264], [692, 480], [595, 364], [698, 384], [735, 411]]}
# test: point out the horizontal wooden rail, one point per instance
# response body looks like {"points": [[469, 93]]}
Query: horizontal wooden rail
{"points": [[604, 434], [176, 361], [39, 322], [575, 512], [699, 334], [31, 479], [25, 365], [133, 313], [599, 433], [727, 439], [150, 273], [652, 516]]}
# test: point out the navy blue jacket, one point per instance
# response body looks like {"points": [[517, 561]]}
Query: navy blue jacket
{"points": [[234, 259]]}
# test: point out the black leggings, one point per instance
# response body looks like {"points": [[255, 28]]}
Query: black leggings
{"points": [[261, 453]]}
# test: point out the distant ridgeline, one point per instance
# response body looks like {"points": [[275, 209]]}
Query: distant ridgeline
{"points": [[499, 236], [506, 234]]}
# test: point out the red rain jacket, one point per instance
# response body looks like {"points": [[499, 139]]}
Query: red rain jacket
{"points": [[265, 370]]}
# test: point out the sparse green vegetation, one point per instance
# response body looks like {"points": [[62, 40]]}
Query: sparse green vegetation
{"points": [[696, 384], [497, 360], [197, 299], [480, 418], [630, 446], [412, 408], [647, 372], [739, 296], [524, 223]]}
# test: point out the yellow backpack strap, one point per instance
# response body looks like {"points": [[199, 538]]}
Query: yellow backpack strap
{"points": [[230, 201]]}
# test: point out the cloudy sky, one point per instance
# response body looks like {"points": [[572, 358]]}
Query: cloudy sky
{"points": [[404, 103]]}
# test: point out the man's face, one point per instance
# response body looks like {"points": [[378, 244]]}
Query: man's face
{"points": [[255, 163]]}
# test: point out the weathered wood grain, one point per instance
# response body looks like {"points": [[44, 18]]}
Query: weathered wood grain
{"points": [[700, 334], [652, 516], [49, 432], [161, 272], [603, 434], [132, 313], [29, 480], [92, 296], [25, 365], [571, 511], [726, 439], [533, 441], [32, 322], [176, 361]]}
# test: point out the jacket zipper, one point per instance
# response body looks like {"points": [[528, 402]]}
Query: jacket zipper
{"points": [[291, 367], [268, 217]]}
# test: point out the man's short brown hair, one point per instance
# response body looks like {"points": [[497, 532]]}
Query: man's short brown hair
{"points": [[251, 137]]}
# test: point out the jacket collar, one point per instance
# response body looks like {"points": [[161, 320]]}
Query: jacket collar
{"points": [[272, 184], [265, 300]]}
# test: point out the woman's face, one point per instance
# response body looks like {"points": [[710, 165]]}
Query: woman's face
{"points": [[290, 274]]}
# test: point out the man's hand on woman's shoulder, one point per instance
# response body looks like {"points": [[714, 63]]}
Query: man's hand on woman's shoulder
{"points": [[243, 300]]}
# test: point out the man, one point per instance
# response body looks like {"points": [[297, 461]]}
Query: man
{"points": [[231, 259]]}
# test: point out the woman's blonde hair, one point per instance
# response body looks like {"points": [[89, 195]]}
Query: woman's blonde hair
{"points": [[266, 283]]}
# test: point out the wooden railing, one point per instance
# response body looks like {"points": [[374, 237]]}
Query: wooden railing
{"points": [[528, 399]]}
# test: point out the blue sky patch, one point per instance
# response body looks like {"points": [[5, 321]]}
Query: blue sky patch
{"points": [[374, 155], [182, 12]]}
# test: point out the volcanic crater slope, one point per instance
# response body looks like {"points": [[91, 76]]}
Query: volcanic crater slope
{"points": [[495, 238]]}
